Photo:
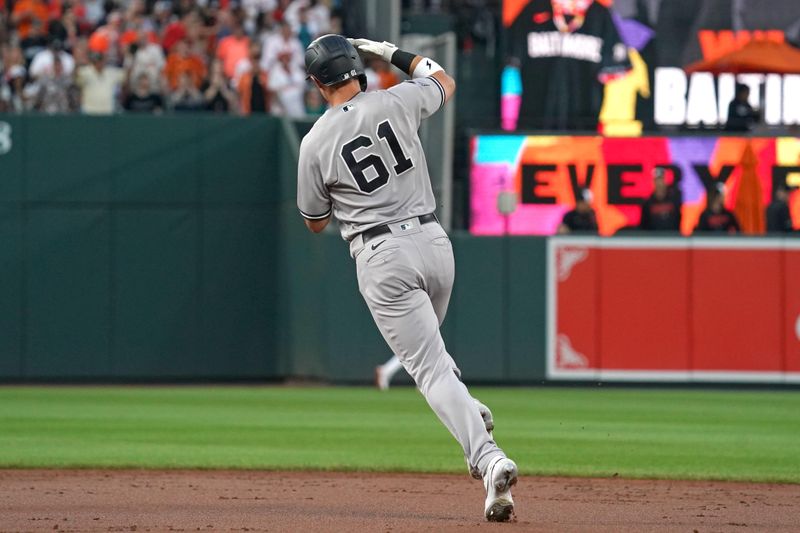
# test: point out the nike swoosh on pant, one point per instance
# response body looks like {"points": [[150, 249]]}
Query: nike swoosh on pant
{"points": [[375, 246]]}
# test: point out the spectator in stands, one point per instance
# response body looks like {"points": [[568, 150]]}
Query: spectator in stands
{"points": [[52, 89], [233, 48], [201, 36], [12, 93], [106, 38], [27, 14], [218, 95], [80, 53], [283, 42], [68, 27], [34, 42], [99, 83], [715, 218], [315, 105], [94, 11], [186, 97], [661, 212], [305, 29], [181, 60], [255, 8], [279, 13], [5, 98], [3, 24], [13, 81], [741, 115], [582, 219], [336, 24], [166, 40], [5, 95], [253, 88], [373, 80], [43, 63], [135, 18], [143, 99], [265, 26], [287, 81], [173, 30], [319, 14], [146, 57], [383, 71], [289, 12], [779, 219]]}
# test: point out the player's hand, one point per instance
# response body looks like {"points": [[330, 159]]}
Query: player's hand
{"points": [[369, 48]]}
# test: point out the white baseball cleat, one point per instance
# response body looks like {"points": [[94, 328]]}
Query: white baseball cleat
{"points": [[500, 477], [381, 379]]}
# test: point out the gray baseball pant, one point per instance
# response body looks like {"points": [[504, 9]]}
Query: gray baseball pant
{"points": [[406, 278]]}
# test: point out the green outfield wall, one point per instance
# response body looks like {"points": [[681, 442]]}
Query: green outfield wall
{"points": [[169, 248]]}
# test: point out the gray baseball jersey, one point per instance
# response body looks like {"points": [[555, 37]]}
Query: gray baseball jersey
{"points": [[363, 160]]}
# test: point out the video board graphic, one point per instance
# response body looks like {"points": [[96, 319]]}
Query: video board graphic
{"points": [[546, 172]]}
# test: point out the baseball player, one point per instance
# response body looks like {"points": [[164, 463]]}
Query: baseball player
{"points": [[385, 372], [363, 163]]}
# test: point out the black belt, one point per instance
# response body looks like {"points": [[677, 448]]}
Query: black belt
{"points": [[377, 231]]}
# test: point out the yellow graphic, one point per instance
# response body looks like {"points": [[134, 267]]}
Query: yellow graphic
{"points": [[618, 114], [787, 153]]}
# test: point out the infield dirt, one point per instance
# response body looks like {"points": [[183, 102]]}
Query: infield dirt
{"points": [[180, 500]]}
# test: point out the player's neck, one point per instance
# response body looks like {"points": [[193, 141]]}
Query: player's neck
{"points": [[344, 94]]}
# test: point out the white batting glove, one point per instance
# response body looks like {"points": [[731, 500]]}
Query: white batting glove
{"points": [[369, 48]]}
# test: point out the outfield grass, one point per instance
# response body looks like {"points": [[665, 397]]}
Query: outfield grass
{"points": [[580, 432]]}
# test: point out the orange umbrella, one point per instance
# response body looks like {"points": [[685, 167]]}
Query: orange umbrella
{"points": [[749, 208], [755, 56]]}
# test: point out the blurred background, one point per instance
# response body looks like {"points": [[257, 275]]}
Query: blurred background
{"points": [[619, 179]]}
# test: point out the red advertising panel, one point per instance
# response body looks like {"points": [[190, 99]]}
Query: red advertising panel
{"points": [[737, 321], [698, 309], [643, 322], [575, 269], [791, 271]]}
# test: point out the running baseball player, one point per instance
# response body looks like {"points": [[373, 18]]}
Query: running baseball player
{"points": [[385, 372], [363, 163]]}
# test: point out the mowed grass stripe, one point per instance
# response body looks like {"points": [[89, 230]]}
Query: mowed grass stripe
{"points": [[730, 435]]}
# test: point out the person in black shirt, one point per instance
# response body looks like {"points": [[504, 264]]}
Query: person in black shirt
{"points": [[661, 212], [717, 219], [142, 99], [741, 115], [218, 95], [565, 56], [35, 42], [581, 219], [779, 220]]}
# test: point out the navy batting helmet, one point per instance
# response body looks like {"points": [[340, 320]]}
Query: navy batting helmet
{"points": [[331, 59]]}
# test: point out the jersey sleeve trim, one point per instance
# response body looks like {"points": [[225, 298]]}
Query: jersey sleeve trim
{"points": [[315, 217], [441, 90]]}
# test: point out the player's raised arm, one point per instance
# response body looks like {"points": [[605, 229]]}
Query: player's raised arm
{"points": [[414, 65]]}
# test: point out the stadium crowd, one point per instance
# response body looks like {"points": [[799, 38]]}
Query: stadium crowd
{"points": [[155, 56]]}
